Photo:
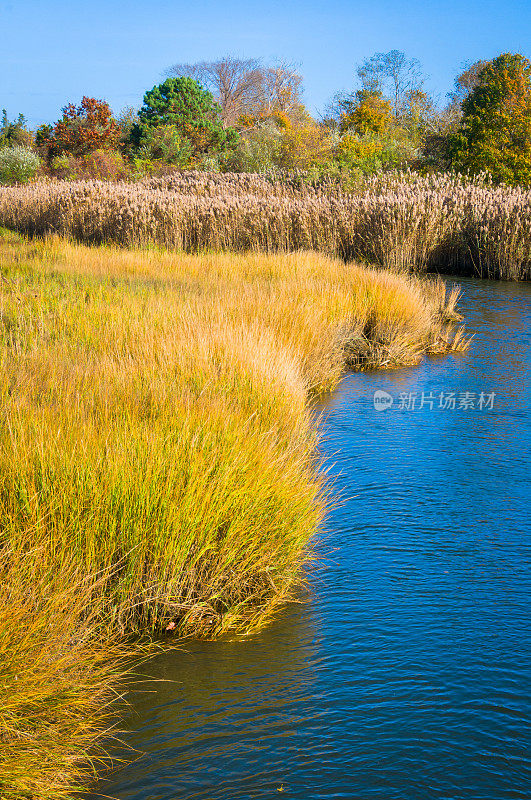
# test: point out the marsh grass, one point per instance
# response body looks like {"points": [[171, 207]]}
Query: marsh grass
{"points": [[156, 432], [61, 673], [155, 413], [400, 221]]}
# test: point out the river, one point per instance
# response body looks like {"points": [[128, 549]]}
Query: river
{"points": [[406, 674]]}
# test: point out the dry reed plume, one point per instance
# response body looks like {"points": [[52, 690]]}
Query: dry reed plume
{"points": [[402, 222]]}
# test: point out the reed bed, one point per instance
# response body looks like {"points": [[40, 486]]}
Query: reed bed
{"points": [[156, 432], [403, 222]]}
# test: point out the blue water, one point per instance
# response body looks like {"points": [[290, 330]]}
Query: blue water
{"points": [[406, 675]]}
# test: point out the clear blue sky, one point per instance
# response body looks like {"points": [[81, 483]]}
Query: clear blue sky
{"points": [[54, 51]]}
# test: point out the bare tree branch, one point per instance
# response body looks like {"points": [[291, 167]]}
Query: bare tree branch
{"points": [[234, 82], [246, 86], [392, 74]]}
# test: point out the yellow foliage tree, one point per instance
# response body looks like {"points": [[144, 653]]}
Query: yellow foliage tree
{"points": [[305, 145], [371, 113]]}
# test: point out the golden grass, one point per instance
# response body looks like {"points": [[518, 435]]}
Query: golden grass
{"points": [[61, 668], [155, 431], [155, 415]]}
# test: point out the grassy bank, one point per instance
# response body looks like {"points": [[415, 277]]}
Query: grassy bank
{"points": [[155, 434], [403, 222]]}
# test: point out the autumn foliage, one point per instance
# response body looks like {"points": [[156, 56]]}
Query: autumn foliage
{"points": [[371, 113], [241, 115], [495, 131], [84, 129]]}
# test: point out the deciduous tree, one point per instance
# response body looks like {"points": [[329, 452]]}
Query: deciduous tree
{"points": [[393, 75], [495, 131], [369, 112], [464, 84], [247, 89], [236, 83], [83, 129]]}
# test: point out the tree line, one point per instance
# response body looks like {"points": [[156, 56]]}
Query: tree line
{"points": [[241, 115]]}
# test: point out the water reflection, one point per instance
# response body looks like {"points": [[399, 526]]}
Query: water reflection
{"points": [[202, 700]]}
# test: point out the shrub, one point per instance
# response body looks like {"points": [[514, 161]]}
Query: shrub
{"points": [[165, 143], [258, 149], [106, 165], [64, 167], [141, 168], [305, 146], [100, 165], [370, 153], [18, 164]]}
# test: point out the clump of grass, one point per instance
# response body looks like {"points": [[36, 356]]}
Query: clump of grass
{"points": [[155, 417], [60, 669]]}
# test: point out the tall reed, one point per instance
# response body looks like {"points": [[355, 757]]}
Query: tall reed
{"points": [[402, 222]]}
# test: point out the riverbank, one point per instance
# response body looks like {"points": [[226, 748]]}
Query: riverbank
{"points": [[406, 677], [156, 434]]}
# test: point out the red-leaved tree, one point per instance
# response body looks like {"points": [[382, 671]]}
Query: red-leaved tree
{"points": [[84, 129]]}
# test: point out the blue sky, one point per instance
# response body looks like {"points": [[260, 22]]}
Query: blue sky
{"points": [[54, 51]]}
